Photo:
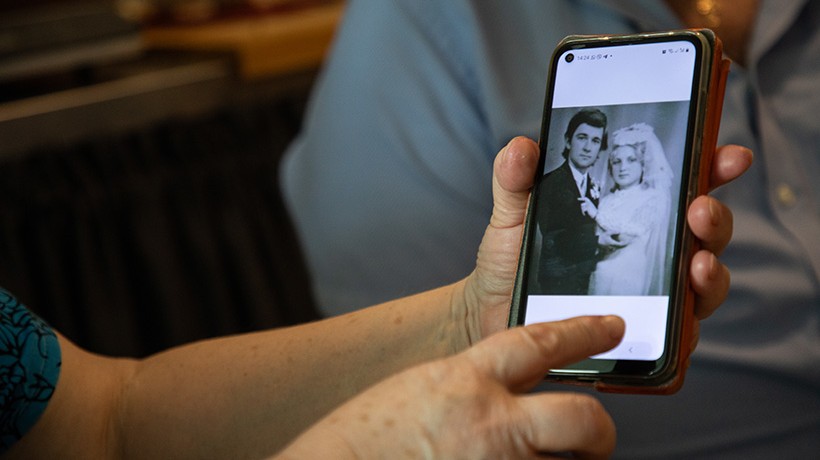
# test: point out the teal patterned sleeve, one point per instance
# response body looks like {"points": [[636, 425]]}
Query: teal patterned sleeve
{"points": [[29, 368]]}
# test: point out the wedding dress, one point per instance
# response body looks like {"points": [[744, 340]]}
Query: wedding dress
{"points": [[634, 223]]}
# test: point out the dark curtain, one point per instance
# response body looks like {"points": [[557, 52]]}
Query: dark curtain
{"points": [[133, 243]]}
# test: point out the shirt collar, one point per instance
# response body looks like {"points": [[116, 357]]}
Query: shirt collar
{"points": [[578, 175]]}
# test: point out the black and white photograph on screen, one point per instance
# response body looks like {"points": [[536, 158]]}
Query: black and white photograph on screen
{"points": [[605, 200]]}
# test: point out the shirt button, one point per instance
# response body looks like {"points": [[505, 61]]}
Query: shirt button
{"points": [[786, 195]]}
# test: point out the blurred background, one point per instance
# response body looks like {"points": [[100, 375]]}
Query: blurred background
{"points": [[139, 145]]}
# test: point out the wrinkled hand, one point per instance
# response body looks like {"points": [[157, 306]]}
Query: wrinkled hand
{"points": [[487, 290], [472, 405]]}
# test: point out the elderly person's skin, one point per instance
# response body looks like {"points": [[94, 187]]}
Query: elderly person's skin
{"points": [[248, 396]]}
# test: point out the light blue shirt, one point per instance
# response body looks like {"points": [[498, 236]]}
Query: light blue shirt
{"points": [[389, 187]]}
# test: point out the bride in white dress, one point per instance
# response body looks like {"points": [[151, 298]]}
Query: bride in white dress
{"points": [[633, 220]]}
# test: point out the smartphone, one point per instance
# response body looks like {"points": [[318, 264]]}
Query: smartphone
{"points": [[629, 127]]}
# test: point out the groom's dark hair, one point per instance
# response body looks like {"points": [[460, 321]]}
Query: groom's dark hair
{"points": [[593, 117]]}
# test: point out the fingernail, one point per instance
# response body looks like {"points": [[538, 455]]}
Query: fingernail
{"points": [[714, 213], [505, 152], [615, 326], [713, 267], [509, 151], [749, 153]]}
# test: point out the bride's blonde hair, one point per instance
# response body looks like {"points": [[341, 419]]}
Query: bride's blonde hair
{"points": [[656, 172]]}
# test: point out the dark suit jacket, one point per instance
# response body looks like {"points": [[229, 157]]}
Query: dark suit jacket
{"points": [[569, 243]]}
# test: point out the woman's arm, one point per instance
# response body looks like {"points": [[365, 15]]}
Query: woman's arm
{"points": [[245, 395], [249, 395]]}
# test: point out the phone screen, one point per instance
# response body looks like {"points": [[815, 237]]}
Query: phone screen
{"points": [[607, 221]]}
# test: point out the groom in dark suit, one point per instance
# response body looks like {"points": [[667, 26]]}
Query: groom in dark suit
{"points": [[567, 204]]}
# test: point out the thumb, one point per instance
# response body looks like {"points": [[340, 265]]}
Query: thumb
{"points": [[520, 357], [513, 174]]}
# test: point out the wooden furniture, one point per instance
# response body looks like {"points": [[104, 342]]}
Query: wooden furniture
{"points": [[264, 46]]}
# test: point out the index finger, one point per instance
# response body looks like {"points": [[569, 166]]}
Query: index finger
{"points": [[520, 357]]}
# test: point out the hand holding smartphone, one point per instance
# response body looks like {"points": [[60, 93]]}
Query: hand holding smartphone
{"points": [[630, 124]]}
